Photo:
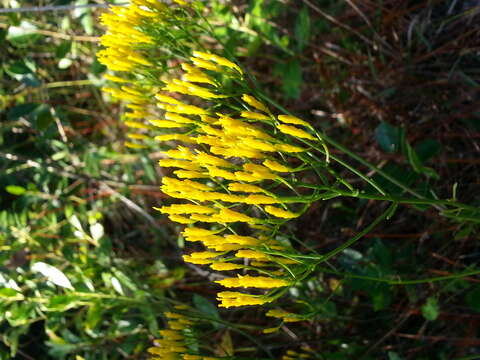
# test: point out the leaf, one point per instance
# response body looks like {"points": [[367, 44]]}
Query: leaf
{"points": [[8, 292], [392, 355], [382, 254], [63, 49], [302, 28], [18, 68], [381, 295], [205, 306], [473, 299], [62, 303], [64, 63], [290, 74], [427, 149], [21, 111], [124, 279], [388, 137], [42, 117], [15, 190], [21, 313], [23, 34], [97, 231], [417, 164], [431, 309], [225, 348], [94, 315], [52, 274]]}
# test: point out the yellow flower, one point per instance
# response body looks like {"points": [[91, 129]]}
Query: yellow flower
{"points": [[167, 99], [214, 171], [250, 100], [206, 239], [227, 216], [259, 171], [204, 158], [294, 131], [217, 59], [165, 124], [224, 247], [195, 231], [234, 299], [171, 335], [245, 176], [280, 213], [289, 148], [225, 266], [182, 164], [205, 64], [185, 109], [258, 145], [180, 152], [284, 315], [210, 130], [185, 209], [202, 218], [132, 145], [260, 199], [116, 78], [139, 59], [243, 240], [271, 330], [209, 140], [232, 198], [184, 185], [199, 77], [205, 254], [253, 115], [178, 118], [276, 166], [137, 114], [192, 357], [181, 219], [244, 187], [177, 137], [263, 282], [251, 254], [187, 174], [138, 136], [289, 119], [192, 260]]}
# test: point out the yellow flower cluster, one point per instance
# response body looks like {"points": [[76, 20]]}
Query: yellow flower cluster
{"points": [[231, 166], [173, 344], [284, 315], [304, 353], [175, 341]]}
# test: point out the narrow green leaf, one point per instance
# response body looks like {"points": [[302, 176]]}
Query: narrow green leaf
{"points": [[15, 190], [290, 74], [205, 306], [388, 137], [302, 28]]}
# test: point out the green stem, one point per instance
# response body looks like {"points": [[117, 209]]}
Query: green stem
{"points": [[386, 214], [372, 167], [401, 282], [390, 198]]}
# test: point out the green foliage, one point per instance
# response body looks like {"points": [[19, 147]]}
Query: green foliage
{"points": [[84, 266]]}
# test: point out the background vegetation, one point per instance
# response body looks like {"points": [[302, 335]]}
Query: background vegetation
{"points": [[87, 268]]}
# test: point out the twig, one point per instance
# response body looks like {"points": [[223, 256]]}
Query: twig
{"points": [[57, 34], [52, 8], [399, 323], [338, 23]]}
